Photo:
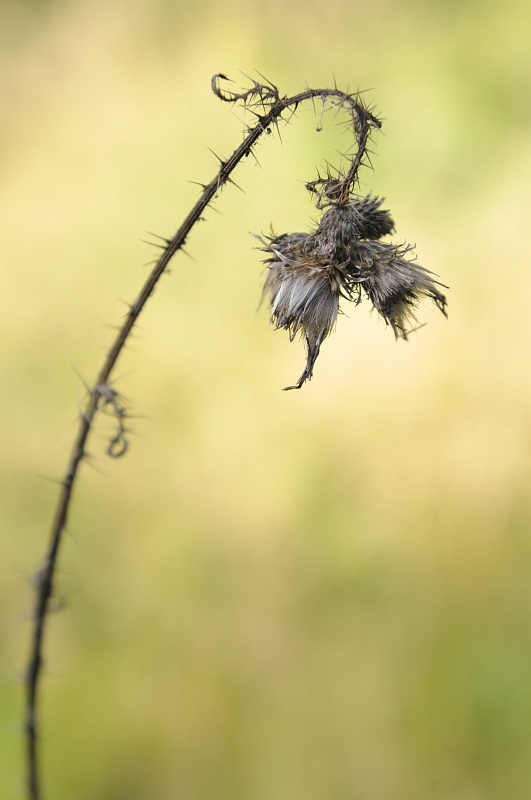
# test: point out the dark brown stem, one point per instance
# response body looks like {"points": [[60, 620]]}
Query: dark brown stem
{"points": [[273, 107]]}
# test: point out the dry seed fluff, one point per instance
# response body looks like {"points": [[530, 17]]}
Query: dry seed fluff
{"points": [[309, 273]]}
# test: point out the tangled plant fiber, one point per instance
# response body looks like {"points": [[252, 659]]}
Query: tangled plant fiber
{"points": [[307, 276]]}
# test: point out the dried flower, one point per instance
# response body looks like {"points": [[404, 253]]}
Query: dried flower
{"points": [[307, 274]]}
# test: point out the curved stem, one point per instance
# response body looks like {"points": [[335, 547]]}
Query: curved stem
{"points": [[273, 107]]}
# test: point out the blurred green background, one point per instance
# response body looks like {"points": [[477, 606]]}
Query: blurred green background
{"points": [[314, 595]]}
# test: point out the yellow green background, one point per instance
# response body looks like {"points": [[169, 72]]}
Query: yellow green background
{"points": [[314, 595]]}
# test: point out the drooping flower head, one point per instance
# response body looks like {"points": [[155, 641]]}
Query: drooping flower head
{"points": [[309, 273]]}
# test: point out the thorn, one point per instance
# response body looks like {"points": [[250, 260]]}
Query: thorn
{"points": [[338, 109], [85, 384], [50, 480], [246, 76], [313, 103], [186, 253], [275, 88], [137, 416], [153, 244], [239, 120], [216, 156], [254, 113], [229, 180], [74, 539], [162, 238], [293, 114], [251, 152], [88, 460], [278, 131], [80, 412]]}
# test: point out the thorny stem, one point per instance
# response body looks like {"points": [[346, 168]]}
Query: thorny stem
{"points": [[261, 96]]}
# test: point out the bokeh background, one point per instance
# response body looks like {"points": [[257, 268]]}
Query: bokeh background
{"points": [[314, 595]]}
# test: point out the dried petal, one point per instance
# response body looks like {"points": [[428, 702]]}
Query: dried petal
{"points": [[373, 222], [304, 293], [394, 285]]}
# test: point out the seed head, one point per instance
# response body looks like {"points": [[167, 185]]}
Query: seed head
{"points": [[308, 274]]}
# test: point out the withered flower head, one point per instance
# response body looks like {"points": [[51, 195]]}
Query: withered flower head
{"points": [[308, 274]]}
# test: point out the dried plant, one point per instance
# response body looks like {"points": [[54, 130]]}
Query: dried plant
{"points": [[307, 275]]}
